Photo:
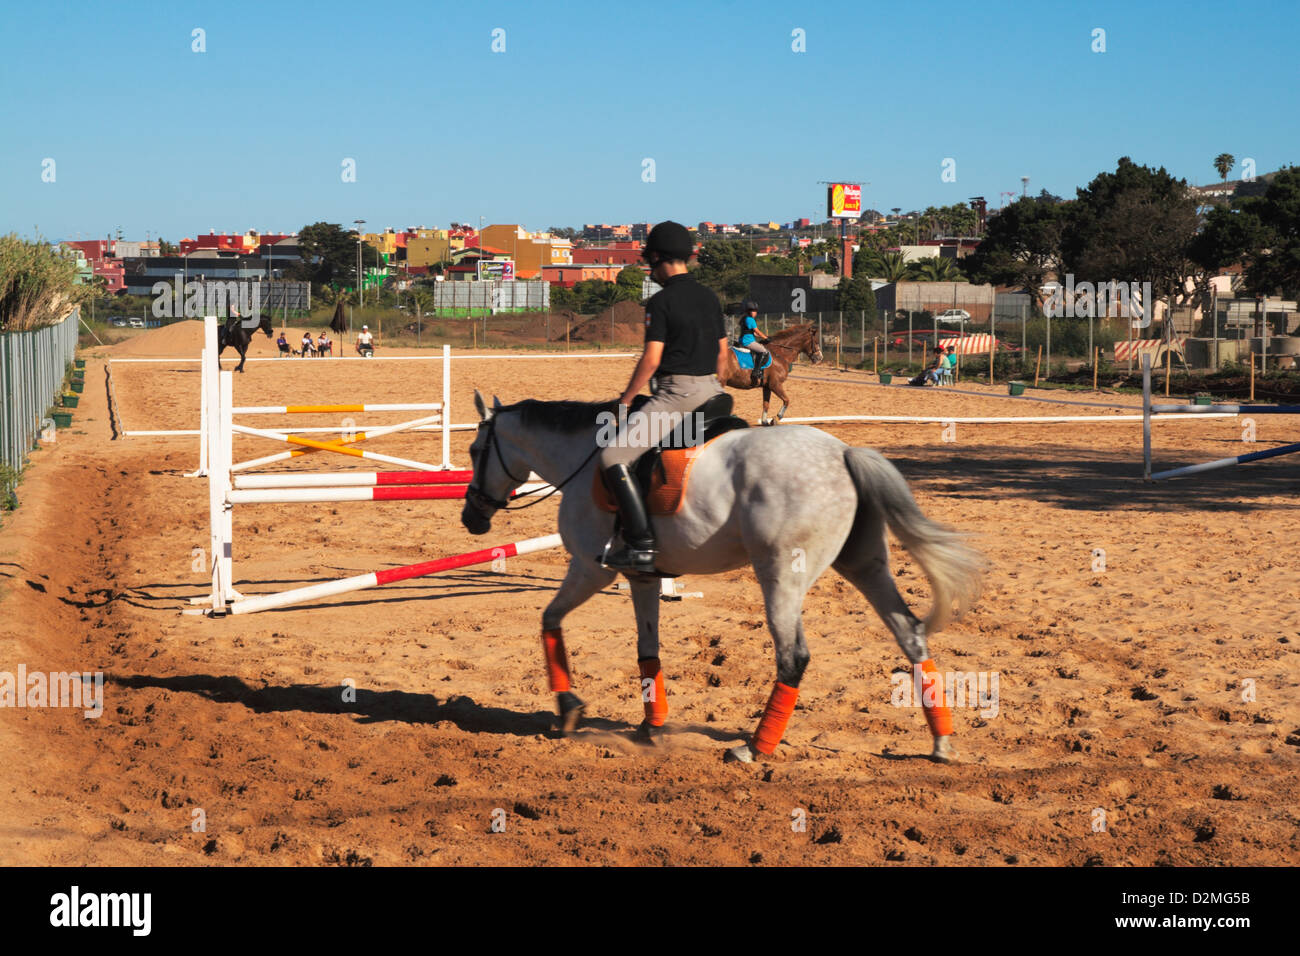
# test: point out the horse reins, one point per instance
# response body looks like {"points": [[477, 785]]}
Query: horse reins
{"points": [[476, 495]]}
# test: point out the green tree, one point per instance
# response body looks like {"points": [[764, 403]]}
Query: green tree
{"points": [[1134, 224], [855, 294], [725, 267], [629, 283], [595, 295], [1021, 246], [1261, 233], [1224, 163], [328, 255]]}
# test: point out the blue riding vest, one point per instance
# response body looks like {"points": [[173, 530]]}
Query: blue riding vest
{"points": [[750, 332]]}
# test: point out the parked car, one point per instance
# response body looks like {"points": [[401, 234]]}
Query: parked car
{"points": [[137, 323], [118, 320], [953, 316]]}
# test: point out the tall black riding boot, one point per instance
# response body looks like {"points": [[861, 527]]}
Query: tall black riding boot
{"points": [[638, 551]]}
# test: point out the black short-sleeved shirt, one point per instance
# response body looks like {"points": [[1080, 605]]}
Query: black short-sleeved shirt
{"points": [[687, 318]]}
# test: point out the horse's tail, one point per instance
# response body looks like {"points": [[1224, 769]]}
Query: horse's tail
{"points": [[953, 568]]}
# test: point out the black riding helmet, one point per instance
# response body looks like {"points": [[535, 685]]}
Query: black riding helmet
{"points": [[751, 305], [671, 240]]}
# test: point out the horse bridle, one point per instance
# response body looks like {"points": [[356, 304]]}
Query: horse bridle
{"points": [[481, 502], [791, 348]]}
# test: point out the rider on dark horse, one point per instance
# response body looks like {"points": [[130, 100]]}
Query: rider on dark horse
{"points": [[686, 352]]}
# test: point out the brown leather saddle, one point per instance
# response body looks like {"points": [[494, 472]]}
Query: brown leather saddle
{"points": [[663, 471]]}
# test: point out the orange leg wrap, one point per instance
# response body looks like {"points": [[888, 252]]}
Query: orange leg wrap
{"points": [[937, 714], [557, 662], [652, 694], [772, 727]]}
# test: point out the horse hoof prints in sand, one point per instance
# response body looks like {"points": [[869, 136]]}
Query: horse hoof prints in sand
{"points": [[789, 501]]}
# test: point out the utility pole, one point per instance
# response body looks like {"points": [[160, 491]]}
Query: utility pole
{"points": [[361, 289]]}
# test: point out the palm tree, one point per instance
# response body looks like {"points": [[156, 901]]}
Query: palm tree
{"points": [[935, 269], [1224, 163], [889, 266]]}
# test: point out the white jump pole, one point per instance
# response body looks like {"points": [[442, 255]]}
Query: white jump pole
{"points": [[335, 409], [1004, 420], [360, 582], [446, 407], [204, 374], [340, 449], [1226, 462]]}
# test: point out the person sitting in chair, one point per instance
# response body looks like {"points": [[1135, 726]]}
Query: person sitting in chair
{"points": [[283, 343], [365, 342], [750, 339], [308, 346], [931, 371], [323, 344]]}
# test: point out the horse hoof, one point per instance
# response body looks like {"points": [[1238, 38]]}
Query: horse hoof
{"points": [[742, 754], [943, 751], [648, 734], [571, 709]]}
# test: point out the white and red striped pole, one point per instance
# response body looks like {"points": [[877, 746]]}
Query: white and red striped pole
{"points": [[360, 582], [282, 496], [364, 479]]}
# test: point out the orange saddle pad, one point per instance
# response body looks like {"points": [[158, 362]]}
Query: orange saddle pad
{"points": [[667, 486]]}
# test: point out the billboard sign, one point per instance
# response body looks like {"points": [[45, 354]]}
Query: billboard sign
{"points": [[500, 269], [844, 201]]}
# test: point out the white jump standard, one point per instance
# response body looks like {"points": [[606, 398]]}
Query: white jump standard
{"points": [[1189, 412], [226, 489]]}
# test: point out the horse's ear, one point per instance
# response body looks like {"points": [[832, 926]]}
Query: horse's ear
{"points": [[481, 407], [496, 403]]}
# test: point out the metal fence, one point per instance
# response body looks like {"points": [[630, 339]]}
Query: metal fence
{"points": [[906, 335], [498, 296], [32, 368]]}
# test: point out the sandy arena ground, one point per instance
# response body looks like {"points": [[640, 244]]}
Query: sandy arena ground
{"points": [[1121, 688]]}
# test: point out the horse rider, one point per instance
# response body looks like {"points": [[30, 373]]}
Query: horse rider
{"points": [[365, 341], [750, 339], [686, 355]]}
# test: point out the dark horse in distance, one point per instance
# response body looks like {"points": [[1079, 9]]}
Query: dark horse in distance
{"points": [[234, 333]]}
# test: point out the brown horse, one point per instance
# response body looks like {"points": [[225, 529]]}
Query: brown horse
{"points": [[785, 347]]}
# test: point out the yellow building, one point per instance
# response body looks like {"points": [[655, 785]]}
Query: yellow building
{"points": [[431, 247], [531, 252]]}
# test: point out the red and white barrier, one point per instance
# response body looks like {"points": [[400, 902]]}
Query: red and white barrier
{"points": [[285, 496], [1136, 348], [359, 479], [315, 592], [977, 344]]}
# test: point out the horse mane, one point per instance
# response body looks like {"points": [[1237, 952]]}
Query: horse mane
{"points": [[791, 331], [561, 416]]}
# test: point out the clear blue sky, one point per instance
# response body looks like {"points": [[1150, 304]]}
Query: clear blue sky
{"points": [[147, 135]]}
